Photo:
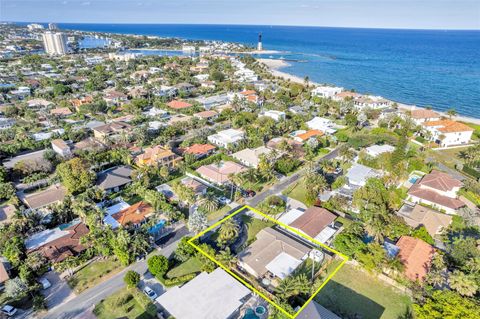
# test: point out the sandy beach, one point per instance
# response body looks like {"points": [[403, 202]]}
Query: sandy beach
{"points": [[274, 65]]}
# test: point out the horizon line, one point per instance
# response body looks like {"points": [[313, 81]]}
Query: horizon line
{"points": [[253, 25]]}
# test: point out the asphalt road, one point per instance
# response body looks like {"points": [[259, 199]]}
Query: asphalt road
{"points": [[284, 183], [87, 299]]}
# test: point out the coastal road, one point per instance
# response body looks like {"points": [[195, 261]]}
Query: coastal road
{"points": [[284, 183], [76, 307]]}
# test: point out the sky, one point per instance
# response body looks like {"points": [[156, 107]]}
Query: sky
{"points": [[409, 14]]}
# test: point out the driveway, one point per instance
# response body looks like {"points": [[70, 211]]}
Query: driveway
{"points": [[59, 292]]}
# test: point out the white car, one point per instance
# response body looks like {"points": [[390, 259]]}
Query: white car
{"points": [[9, 310], [45, 283], [150, 293]]}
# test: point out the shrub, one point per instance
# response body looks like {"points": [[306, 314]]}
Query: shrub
{"points": [[132, 278], [158, 265]]}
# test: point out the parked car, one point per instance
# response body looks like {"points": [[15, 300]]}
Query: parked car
{"points": [[45, 283], [224, 201], [9, 310], [150, 293]]}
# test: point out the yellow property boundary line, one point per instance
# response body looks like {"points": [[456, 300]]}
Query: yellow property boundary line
{"points": [[246, 207]]}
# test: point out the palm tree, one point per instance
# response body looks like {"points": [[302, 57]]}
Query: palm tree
{"points": [[227, 258], [451, 113], [209, 203], [464, 284], [228, 231]]}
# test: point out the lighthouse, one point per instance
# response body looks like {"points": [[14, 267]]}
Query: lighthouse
{"points": [[259, 45]]}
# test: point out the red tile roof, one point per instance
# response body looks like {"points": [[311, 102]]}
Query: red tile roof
{"points": [[434, 197], [199, 149], [178, 104], [448, 126], [424, 114], [416, 255], [309, 134], [441, 181], [134, 214]]}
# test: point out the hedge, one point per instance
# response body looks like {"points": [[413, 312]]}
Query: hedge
{"points": [[471, 171], [167, 282]]}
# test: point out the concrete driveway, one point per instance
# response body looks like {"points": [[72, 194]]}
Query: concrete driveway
{"points": [[149, 280], [59, 292]]}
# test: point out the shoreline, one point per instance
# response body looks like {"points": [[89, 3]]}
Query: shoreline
{"points": [[275, 65]]}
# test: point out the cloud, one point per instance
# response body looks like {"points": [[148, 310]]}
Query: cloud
{"points": [[86, 3]]}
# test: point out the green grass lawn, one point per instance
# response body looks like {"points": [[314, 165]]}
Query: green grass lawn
{"points": [[94, 273], [126, 303], [254, 225], [449, 157], [219, 213], [297, 191], [353, 293], [192, 265]]}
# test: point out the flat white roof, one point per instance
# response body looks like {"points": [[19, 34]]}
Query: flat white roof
{"points": [[283, 265], [208, 296], [290, 216], [325, 234]]}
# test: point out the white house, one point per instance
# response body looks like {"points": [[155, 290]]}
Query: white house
{"points": [[374, 102], [359, 174], [376, 150], [61, 148], [251, 157], [322, 124], [423, 115], [276, 115], [214, 101], [326, 91], [227, 138], [166, 91], [6, 123], [448, 133]]}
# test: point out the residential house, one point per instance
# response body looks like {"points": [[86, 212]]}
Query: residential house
{"points": [[214, 101], [179, 118], [6, 213], [322, 124], [276, 115], [315, 311], [219, 173], [61, 112], [303, 136], [111, 131], [433, 221], [358, 175], [416, 256], [448, 133], [158, 156], [185, 88], [282, 144], [372, 102], [113, 179], [273, 254], [39, 103], [345, 95], [59, 243], [135, 215], [376, 150], [209, 115], [156, 112], [113, 97], [178, 105], [327, 92], [42, 199], [77, 103], [166, 91], [6, 123], [196, 186], [251, 157], [420, 116], [221, 296], [5, 268], [227, 138], [60, 147], [438, 190], [198, 150], [315, 222]]}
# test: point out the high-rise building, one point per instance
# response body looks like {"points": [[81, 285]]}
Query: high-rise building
{"points": [[55, 43], [259, 45], [52, 27]]}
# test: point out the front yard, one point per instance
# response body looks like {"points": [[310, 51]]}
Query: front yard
{"points": [[126, 303], [254, 225], [94, 273], [297, 191], [192, 265], [351, 293]]}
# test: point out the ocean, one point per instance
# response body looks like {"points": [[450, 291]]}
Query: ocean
{"points": [[433, 68]]}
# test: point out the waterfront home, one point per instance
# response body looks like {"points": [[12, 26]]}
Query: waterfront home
{"points": [[251, 157], [227, 138], [276, 115], [273, 254], [322, 124], [219, 173], [327, 92], [158, 156], [207, 296], [416, 256], [372, 102], [111, 131], [433, 221], [198, 150], [345, 95], [448, 133], [113, 179], [438, 190], [420, 116]]}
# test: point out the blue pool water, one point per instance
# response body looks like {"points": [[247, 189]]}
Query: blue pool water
{"points": [[414, 179], [250, 314], [423, 67]]}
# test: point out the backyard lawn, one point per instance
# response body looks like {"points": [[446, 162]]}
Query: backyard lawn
{"points": [[126, 303], [254, 225], [352, 293], [449, 157], [192, 265], [297, 191], [93, 273]]}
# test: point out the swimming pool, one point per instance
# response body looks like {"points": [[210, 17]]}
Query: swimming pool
{"points": [[250, 314], [414, 179]]}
